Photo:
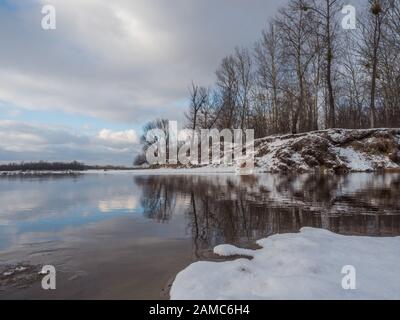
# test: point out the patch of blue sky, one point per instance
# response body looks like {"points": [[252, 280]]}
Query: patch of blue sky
{"points": [[76, 122], [16, 5], [8, 5]]}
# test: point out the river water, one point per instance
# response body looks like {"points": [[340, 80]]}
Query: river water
{"points": [[126, 236]]}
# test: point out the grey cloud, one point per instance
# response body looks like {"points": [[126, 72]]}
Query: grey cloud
{"points": [[126, 61], [21, 141]]}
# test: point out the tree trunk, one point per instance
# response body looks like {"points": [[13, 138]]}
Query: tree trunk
{"points": [[329, 58]]}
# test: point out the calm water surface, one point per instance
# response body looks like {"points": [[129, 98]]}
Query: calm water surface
{"points": [[125, 236]]}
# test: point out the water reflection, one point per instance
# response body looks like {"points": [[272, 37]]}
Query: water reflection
{"points": [[112, 231], [239, 209], [118, 202], [46, 205]]}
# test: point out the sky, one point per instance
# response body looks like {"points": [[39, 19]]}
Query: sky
{"points": [[84, 90]]}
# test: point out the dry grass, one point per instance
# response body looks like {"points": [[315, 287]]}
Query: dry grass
{"points": [[377, 146]]}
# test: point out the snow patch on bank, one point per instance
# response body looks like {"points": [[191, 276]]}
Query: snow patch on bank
{"points": [[227, 250], [355, 160], [306, 265], [336, 150]]}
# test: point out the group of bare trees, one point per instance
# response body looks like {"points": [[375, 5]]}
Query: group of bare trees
{"points": [[307, 73]]}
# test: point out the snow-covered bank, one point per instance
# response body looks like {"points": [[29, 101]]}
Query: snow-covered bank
{"points": [[333, 150], [306, 265]]}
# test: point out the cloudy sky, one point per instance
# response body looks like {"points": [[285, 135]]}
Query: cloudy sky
{"points": [[84, 90]]}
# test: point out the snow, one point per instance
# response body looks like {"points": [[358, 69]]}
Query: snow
{"points": [[14, 270], [328, 149], [356, 160], [307, 265], [227, 250], [20, 268]]}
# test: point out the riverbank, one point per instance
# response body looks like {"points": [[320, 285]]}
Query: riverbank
{"points": [[314, 264], [326, 151], [334, 151]]}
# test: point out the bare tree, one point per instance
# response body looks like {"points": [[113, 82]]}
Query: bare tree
{"points": [[294, 24], [269, 54], [373, 24], [160, 124], [326, 11], [244, 84], [198, 100], [227, 82]]}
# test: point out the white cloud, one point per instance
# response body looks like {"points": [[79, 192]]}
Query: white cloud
{"points": [[119, 138], [27, 141]]}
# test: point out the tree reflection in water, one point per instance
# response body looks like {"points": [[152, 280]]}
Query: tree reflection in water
{"points": [[241, 209]]}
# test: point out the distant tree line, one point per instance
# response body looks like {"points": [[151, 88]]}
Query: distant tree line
{"points": [[43, 166], [56, 166], [307, 73]]}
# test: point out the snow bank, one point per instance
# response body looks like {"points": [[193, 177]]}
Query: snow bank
{"points": [[307, 265], [333, 150], [330, 150]]}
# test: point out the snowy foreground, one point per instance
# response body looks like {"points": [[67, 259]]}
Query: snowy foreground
{"points": [[307, 265]]}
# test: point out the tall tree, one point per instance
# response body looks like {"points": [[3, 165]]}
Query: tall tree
{"points": [[294, 24], [227, 82], [327, 11], [373, 24], [198, 101], [244, 83], [268, 54]]}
